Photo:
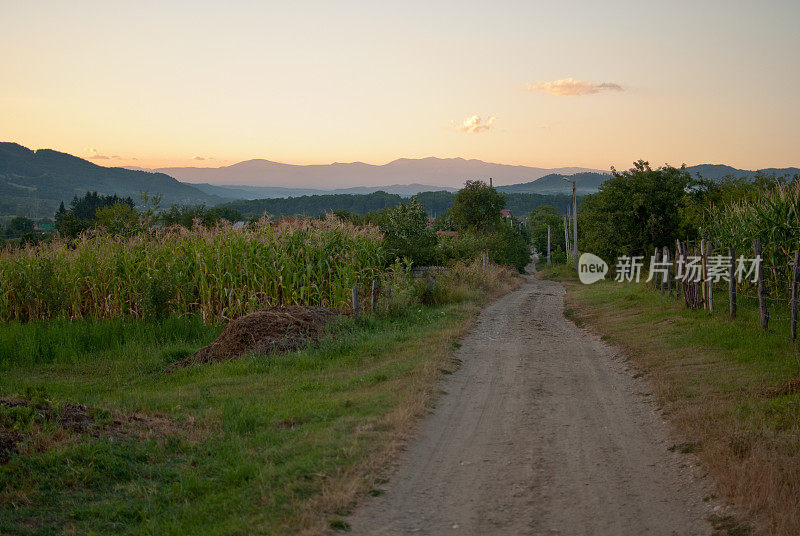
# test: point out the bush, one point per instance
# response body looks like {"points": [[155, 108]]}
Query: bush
{"points": [[407, 234], [508, 246]]}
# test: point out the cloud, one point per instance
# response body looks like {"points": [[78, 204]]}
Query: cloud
{"points": [[475, 125], [201, 158], [569, 87], [198, 158], [94, 154]]}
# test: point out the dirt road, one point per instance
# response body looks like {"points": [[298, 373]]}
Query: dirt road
{"points": [[543, 431]]}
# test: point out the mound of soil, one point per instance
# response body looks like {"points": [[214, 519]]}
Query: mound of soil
{"points": [[275, 329], [80, 419]]}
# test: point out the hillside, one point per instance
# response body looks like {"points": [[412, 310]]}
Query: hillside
{"points": [[33, 183], [585, 183], [272, 192], [435, 203], [717, 171]]}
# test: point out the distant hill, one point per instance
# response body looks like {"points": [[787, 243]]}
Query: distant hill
{"points": [[273, 192], [449, 172], [33, 183], [585, 183], [717, 171], [435, 203]]}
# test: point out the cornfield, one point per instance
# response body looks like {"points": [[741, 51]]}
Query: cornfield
{"points": [[217, 273], [775, 219]]}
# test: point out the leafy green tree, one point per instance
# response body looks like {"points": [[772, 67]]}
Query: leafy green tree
{"points": [[407, 234], [119, 219], [477, 206], [508, 245], [19, 227], [83, 212], [540, 218], [634, 211]]}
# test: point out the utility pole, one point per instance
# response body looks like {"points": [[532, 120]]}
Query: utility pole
{"points": [[548, 246], [566, 235], [575, 225]]}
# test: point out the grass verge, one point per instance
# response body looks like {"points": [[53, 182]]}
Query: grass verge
{"points": [[729, 389], [276, 444]]}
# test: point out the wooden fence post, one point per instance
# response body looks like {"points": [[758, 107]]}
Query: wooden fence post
{"points": [[762, 289], [653, 262], [710, 283], [678, 254], [795, 276], [732, 283], [703, 272], [375, 292], [356, 312]]}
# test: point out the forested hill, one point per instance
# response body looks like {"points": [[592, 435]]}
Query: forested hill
{"points": [[435, 203], [33, 183]]}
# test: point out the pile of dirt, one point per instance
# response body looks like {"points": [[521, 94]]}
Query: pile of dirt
{"points": [[275, 329]]}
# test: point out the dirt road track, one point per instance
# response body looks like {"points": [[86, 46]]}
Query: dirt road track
{"points": [[543, 431]]}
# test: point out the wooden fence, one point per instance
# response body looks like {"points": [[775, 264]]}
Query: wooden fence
{"points": [[698, 293]]}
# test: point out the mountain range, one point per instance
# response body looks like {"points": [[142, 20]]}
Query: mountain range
{"points": [[33, 183], [447, 172]]}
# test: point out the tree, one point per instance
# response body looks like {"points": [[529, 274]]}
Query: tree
{"points": [[540, 218], [634, 211], [477, 206], [508, 245], [19, 227], [83, 212], [119, 219], [407, 234]]}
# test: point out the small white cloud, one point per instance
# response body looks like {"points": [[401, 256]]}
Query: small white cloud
{"points": [[96, 155], [570, 87], [475, 125], [198, 158]]}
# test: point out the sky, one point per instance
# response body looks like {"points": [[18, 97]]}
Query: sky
{"points": [[547, 84]]}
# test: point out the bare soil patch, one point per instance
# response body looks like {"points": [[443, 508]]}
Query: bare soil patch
{"points": [[17, 428]]}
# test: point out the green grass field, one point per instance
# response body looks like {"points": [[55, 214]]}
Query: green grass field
{"points": [[730, 390], [260, 445]]}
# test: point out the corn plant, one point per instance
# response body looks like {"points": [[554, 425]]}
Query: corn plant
{"points": [[774, 217], [217, 273]]}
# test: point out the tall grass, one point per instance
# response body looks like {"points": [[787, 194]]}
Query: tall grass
{"points": [[774, 217], [216, 273]]}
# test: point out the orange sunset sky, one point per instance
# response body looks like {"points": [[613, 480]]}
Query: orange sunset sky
{"points": [[585, 83]]}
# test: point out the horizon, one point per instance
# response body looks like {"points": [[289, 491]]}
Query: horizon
{"points": [[530, 84]]}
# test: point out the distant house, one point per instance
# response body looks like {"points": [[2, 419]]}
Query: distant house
{"points": [[505, 213]]}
